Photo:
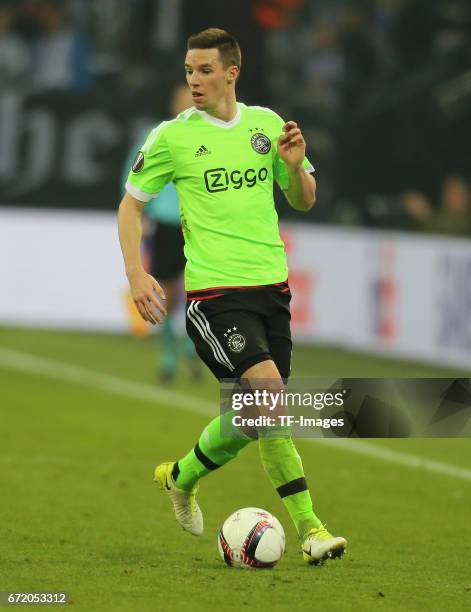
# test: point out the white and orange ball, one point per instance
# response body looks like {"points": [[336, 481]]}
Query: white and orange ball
{"points": [[251, 538]]}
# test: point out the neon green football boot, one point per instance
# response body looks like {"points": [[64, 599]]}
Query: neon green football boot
{"points": [[319, 545], [185, 506]]}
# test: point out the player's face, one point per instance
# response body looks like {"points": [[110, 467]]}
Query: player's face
{"points": [[207, 78]]}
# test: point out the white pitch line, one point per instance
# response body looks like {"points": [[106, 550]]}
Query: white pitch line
{"points": [[31, 364], [413, 461], [66, 372]]}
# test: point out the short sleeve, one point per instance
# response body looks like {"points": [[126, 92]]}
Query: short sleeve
{"points": [[280, 171], [152, 168]]}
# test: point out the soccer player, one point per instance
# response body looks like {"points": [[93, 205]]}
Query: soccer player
{"points": [[223, 157]]}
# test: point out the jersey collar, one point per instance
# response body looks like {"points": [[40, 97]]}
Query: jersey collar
{"points": [[220, 122]]}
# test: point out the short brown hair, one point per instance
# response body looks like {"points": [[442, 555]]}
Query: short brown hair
{"points": [[214, 38]]}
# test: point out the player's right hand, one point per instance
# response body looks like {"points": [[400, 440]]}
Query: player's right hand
{"points": [[144, 291]]}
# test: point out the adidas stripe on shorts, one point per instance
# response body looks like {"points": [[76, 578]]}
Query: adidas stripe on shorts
{"points": [[234, 328]]}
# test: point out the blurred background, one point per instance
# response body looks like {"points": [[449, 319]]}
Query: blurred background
{"points": [[382, 90]]}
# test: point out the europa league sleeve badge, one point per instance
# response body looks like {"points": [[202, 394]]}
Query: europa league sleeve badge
{"points": [[138, 162]]}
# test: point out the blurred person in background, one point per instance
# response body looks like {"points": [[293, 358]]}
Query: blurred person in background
{"points": [[62, 54], [164, 246], [417, 210], [324, 69], [454, 215], [15, 56]]}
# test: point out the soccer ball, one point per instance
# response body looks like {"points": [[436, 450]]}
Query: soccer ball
{"points": [[251, 537]]}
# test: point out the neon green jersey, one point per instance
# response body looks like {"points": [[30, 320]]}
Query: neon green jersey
{"points": [[223, 173]]}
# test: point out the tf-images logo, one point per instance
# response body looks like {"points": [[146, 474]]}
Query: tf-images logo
{"points": [[260, 143]]}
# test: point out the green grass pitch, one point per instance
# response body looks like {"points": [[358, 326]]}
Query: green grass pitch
{"points": [[79, 511]]}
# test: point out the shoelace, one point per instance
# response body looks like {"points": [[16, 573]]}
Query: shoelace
{"points": [[191, 496], [322, 533]]}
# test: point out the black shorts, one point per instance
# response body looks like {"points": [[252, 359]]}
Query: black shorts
{"points": [[235, 328], [166, 252]]}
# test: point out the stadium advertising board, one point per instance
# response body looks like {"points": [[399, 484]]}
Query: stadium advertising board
{"points": [[395, 294]]}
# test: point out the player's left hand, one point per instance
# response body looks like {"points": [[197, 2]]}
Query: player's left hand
{"points": [[291, 145]]}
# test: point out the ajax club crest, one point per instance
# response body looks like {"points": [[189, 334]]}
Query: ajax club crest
{"points": [[260, 143], [235, 341]]}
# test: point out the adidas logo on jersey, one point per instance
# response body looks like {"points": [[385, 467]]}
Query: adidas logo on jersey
{"points": [[202, 151]]}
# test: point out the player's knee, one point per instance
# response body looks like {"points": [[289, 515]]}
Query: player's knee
{"points": [[265, 370]]}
